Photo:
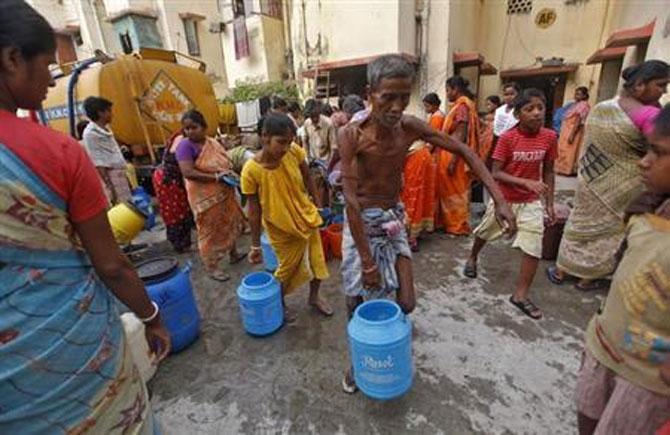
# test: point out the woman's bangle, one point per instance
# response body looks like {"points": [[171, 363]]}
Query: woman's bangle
{"points": [[153, 316], [256, 248]]}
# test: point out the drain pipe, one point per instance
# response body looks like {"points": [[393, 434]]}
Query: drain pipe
{"points": [[70, 93]]}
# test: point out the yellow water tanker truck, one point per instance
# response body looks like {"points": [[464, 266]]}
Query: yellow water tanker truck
{"points": [[150, 91]]}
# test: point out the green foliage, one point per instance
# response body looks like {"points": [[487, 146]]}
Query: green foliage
{"points": [[251, 89]]}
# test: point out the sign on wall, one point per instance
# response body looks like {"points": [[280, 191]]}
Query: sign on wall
{"points": [[545, 18]]}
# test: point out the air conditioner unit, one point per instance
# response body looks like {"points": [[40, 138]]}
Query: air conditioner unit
{"points": [[217, 27]]}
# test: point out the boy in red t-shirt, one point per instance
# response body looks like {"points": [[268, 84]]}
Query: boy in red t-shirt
{"points": [[523, 165]]}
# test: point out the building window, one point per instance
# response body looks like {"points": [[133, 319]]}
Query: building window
{"points": [[242, 8], [519, 6], [78, 39], [191, 33], [126, 42]]}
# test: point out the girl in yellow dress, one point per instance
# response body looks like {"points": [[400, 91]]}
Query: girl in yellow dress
{"points": [[279, 190]]}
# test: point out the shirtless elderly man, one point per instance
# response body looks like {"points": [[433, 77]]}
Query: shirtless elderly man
{"points": [[376, 254]]}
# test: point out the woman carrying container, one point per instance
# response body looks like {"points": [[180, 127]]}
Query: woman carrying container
{"points": [[278, 185], [64, 363], [218, 217]]}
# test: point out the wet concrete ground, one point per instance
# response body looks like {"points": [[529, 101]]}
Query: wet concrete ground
{"points": [[480, 366]]}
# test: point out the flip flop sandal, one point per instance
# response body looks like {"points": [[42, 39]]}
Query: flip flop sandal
{"points": [[552, 275], [220, 277], [238, 258], [598, 284], [527, 307], [470, 270]]}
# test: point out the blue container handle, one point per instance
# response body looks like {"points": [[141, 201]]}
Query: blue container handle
{"points": [[188, 267]]}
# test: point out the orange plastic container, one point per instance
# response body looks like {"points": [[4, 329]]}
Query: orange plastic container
{"points": [[335, 239], [325, 243]]}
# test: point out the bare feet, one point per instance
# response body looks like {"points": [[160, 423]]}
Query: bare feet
{"points": [[321, 306], [348, 383], [290, 316]]}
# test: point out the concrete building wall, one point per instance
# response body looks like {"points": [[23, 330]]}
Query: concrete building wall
{"points": [[211, 52], [407, 26], [515, 41], [436, 58], [275, 48]]}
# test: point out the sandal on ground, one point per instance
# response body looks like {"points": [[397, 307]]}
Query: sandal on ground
{"points": [[238, 258], [527, 307], [552, 275], [596, 284], [348, 384], [470, 270], [322, 307], [220, 276]]}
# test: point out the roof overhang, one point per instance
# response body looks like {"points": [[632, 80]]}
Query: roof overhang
{"points": [[511, 74], [634, 36], [605, 54], [348, 63]]}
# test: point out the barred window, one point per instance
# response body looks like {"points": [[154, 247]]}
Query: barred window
{"points": [[519, 6]]}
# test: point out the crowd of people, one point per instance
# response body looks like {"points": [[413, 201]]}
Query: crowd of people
{"points": [[64, 362]]}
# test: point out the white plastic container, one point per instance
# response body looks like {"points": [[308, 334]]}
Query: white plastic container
{"points": [[139, 348]]}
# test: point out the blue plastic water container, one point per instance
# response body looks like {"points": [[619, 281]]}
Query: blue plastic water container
{"points": [[337, 219], [170, 287], [260, 303], [269, 257], [142, 201], [381, 349]]}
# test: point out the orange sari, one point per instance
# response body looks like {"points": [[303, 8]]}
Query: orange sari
{"points": [[218, 216], [568, 153], [453, 191], [418, 192]]}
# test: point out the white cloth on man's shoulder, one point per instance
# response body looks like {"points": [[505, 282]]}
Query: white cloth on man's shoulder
{"points": [[101, 146]]}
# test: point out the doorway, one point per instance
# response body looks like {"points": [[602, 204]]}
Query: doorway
{"points": [[553, 87]]}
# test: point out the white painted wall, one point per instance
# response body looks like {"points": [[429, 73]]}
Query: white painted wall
{"points": [[172, 29]]}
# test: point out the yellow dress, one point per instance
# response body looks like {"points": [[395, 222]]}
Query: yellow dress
{"points": [[290, 219]]}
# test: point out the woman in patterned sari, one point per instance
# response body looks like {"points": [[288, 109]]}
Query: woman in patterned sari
{"points": [[453, 179], [608, 180], [65, 366], [218, 216], [171, 195]]}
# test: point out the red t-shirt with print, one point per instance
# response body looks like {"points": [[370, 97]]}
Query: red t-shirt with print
{"points": [[523, 155], [59, 161]]}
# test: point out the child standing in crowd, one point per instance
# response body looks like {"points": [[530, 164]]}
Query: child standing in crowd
{"points": [[104, 150], [504, 117], [278, 187], [218, 216], [624, 381], [523, 164], [376, 254]]}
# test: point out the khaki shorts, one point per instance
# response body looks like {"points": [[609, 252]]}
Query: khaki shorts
{"points": [[619, 406], [529, 220]]}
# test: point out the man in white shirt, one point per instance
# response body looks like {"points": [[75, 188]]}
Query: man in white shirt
{"points": [[504, 118], [104, 150], [320, 143]]}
